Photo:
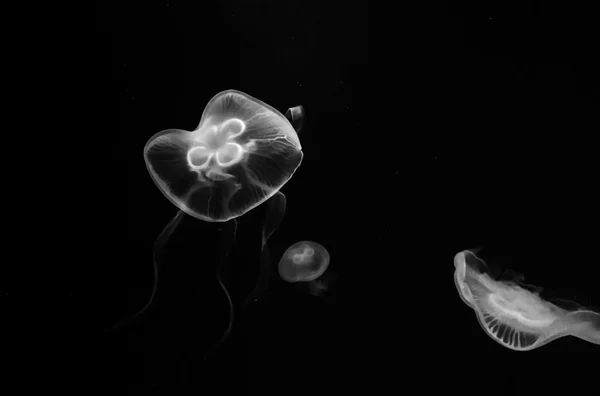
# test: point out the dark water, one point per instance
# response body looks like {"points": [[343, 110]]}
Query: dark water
{"points": [[427, 133]]}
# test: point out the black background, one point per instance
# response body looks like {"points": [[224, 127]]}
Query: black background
{"points": [[168, 61], [428, 132]]}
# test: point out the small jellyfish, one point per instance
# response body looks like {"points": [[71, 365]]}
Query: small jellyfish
{"points": [[303, 261], [242, 153], [517, 315], [238, 158]]}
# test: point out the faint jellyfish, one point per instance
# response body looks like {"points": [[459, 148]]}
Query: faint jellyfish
{"points": [[517, 315], [305, 262], [240, 156]]}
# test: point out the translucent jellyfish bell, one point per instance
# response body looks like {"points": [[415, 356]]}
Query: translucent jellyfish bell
{"points": [[519, 315], [303, 261], [241, 154], [306, 263]]}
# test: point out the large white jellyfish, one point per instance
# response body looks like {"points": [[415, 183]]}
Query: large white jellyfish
{"points": [[242, 153], [240, 156], [518, 315]]}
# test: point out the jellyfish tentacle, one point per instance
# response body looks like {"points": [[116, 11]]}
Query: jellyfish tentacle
{"points": [[274, 215], [158, 254], [227, 241]]}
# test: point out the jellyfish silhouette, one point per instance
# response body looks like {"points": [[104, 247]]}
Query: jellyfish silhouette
{"points": [[517, 315], [303, 262], [306, 262], [240, 156]]}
